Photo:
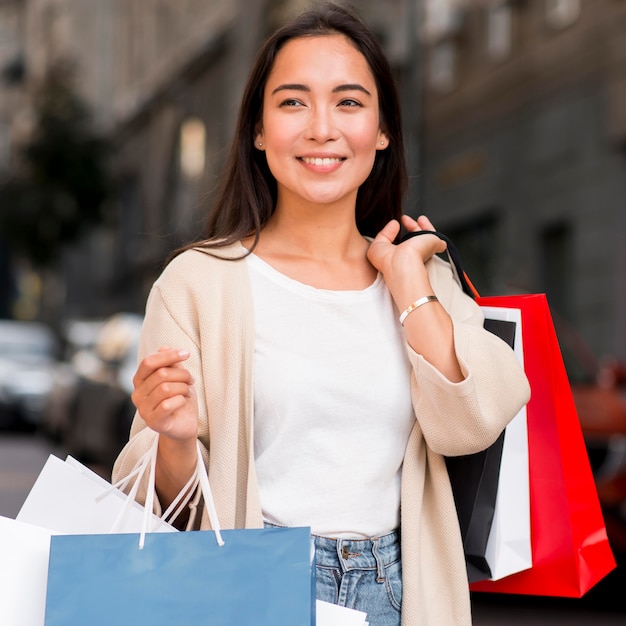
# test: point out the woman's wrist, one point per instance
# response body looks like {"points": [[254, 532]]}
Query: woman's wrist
{"points": [[176, 462], [416, 304], [407, 287]]}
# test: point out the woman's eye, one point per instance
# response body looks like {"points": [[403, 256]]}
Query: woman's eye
{"points": [[349, 102], [291, 102]]}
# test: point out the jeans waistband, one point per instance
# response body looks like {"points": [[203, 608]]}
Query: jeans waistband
{"points": [[347, 554], [350, 554]]}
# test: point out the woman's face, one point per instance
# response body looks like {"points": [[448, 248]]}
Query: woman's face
{"points": [[320, 124]]}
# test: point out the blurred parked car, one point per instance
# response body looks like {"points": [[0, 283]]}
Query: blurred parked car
{"points": [[90, 410], [28, 354], [79, 359]]}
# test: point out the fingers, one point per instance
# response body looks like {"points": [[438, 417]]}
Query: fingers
{"points": [[162, 385], [164, 358], [388, 233], [421, 223], [410, 223], [424, 223]]}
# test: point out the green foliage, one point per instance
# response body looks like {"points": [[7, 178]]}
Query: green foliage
{"points": [[61, 183]]}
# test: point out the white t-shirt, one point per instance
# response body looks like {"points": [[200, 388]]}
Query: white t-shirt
{"points": [[332, 405]]}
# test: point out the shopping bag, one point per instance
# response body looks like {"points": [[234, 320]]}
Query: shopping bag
{"points": [[328, 614], [474, 482], [570, 548], [24, 550], [482, 492], [218, 577], [490, 492], [66, 495], [508, 547], [569, 544], [70, 498], [259, 576]]}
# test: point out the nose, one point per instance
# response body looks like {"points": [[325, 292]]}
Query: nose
{"points": [[321, 126]]}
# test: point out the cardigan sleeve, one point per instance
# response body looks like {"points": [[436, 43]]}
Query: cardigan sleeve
{"points": [[161, 328], [465, 417]]}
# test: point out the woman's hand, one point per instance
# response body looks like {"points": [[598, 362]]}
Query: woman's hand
{"points": [[403, 265], [428, 329], [164, 395], [165, 399], [388, 257]]}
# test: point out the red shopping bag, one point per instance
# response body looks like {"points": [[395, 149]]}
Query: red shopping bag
{"points": [[570, 548]]}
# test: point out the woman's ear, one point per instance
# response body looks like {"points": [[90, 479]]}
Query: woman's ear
{"points": [[382, 141], [259, 142]]}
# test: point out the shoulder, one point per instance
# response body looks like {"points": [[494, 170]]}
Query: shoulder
{"points": [[200, 278], [197, 265], [200, 286]]}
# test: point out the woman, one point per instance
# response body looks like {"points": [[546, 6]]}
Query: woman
{"points": [[288, 314]]}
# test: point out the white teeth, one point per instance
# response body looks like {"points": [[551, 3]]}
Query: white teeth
{"points": [[320, 161]]}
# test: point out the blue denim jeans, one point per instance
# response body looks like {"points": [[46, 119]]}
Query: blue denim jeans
{"points": [[361, 574], [365, 575]]}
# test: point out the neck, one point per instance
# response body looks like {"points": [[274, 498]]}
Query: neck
{"points": [[315, 231]]}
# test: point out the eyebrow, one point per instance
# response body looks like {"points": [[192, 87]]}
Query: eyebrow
{"points": [[337, 89]]}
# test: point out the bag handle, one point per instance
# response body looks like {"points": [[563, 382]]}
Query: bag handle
{"points": [[137, 472], [455, 259], [199, 476], [147, 462]]}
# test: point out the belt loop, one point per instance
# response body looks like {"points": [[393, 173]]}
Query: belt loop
{"points": [[380, 567]]}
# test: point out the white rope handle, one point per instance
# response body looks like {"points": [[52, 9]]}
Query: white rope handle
{"points": [[199, 476], [147, 462], [138, 471], [149, 504], [208, 496], [185, 495]]}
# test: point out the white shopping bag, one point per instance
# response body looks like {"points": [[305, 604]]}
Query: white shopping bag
{"points": [[328, 614], [70, 498], [509, 548], [24, 551]]}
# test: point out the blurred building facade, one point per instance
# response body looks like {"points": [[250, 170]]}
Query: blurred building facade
{"points": [[163, 78], [524, 152], [515, 114], [10, 69], [130, 60]]}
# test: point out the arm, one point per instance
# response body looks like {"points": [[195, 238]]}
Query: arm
{"points": [[466, 383], [167, 398], [462, 418]]}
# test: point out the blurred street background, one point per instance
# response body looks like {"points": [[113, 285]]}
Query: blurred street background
{"points": [[115, 116]]}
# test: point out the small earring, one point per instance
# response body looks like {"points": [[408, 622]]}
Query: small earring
{"points": [[382, 143], [260, 144]]}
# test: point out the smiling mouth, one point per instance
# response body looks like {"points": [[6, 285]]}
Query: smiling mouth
{"points": [[321, 161]]}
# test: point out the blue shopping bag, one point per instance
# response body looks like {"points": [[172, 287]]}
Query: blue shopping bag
{"points": [[260, 577], [241, 577]]}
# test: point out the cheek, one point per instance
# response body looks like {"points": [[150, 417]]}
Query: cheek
{"points": [[365, 136], [280, 133]]}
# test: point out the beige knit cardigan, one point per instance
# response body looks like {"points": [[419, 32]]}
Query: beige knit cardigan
{"points": [[203, 303]]}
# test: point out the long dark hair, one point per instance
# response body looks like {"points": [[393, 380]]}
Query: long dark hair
{"points": [[247, 195]]}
